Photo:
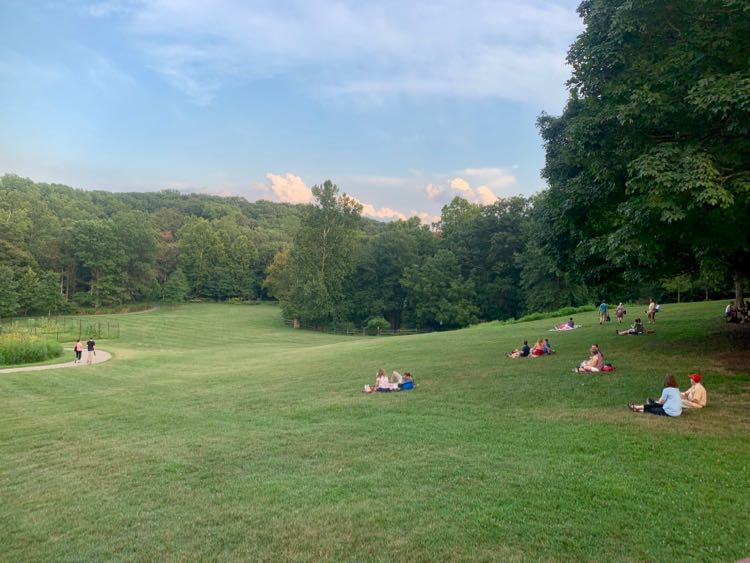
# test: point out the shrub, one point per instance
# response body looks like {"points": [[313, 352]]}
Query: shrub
{"points": [[378, 322], [26, 349]]}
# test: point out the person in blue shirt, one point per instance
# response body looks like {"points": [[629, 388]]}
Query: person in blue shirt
{"points": [[603, 313], [669, 404]]}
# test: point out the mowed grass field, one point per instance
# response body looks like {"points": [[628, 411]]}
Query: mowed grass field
{"points": [[218, 433]]}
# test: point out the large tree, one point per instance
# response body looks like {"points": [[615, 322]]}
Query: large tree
{"points": [[649, 165], [319, 261]]}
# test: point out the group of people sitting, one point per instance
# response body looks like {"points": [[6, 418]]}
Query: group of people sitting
{"points": [[541, 348], [672, 402], [737, 314], [384, 384]]}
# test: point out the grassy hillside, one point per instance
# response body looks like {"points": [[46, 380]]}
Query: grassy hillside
{"points": [[218, 433]]}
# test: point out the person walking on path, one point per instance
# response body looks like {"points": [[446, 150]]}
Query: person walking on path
{"points": [[90, 349], [78, 349], [603, 312]]}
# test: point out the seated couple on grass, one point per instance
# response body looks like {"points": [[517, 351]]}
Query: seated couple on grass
{"points": [[635, 330], [397, 382], [594, 363], [672, 402]]}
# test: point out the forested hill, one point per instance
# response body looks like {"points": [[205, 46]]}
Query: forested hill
{"points": [[62, 248]]}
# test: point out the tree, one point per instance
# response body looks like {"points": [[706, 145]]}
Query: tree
{"points": [[8, 294], [437, 294], [375, 288], [319, 260], [97, 248], [649, 165], [202, 258], [176, 288]]}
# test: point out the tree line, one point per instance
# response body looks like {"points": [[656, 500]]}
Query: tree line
{"points": [[63, 249], [648, 172]]}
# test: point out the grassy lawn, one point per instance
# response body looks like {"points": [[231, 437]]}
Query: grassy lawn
{"points": [[218, 433]]}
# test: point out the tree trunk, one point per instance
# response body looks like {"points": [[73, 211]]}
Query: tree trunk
{"points": [[739, 297]]}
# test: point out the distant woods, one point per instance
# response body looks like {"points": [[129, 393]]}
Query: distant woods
{"points": [[63, 249], [648, 169]]}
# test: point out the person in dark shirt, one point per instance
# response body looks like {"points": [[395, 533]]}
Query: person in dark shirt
{"points": [[90, 350], [523, 352]]}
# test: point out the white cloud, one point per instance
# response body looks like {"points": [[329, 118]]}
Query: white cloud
{"points": [[370, 210], [501, 49], [289, 188]]}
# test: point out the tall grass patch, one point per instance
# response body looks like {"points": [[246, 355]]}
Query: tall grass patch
{"points": [[27, 349]]}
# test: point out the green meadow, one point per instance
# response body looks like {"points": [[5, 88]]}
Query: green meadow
{"points": [[218, 433]]}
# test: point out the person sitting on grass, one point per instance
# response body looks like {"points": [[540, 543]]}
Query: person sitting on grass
{"points": [[548, 347], [382, 383], [695, 397], [538, 349], [594, 363], [407, 383], [634, 330], [669, 404], [523, 352]]}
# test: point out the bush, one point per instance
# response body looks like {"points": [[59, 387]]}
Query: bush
{"points": [[26, 349], [378, 322]]}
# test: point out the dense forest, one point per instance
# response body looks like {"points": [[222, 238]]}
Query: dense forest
{"points": [[64, 250], [648, 172]]}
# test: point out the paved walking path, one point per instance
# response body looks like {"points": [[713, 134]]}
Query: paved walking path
{"points": [[101, 356]]}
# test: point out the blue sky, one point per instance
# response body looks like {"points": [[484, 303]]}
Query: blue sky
{"points": [[402, 104]]}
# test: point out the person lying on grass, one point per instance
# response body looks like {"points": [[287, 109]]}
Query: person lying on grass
{"points": [[634, 330], [570, 325], [594, 363], [669, 404], [695, 397], [522, 352]]}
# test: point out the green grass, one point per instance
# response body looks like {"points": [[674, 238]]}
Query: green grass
{"points": [[217, 433]]}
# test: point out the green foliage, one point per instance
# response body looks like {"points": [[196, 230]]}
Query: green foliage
{"points": [[648, 165], [438, 295], [176, 288], [319, 261], [25, 349], [8, 296], [377, 322]]}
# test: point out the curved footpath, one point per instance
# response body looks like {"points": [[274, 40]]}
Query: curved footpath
{"points": [[101, 356]]}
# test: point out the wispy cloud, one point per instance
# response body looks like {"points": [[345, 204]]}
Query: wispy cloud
{"points": [[502, 49]]}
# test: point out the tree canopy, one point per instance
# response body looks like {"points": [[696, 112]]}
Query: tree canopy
{"points": [[649, 164]]}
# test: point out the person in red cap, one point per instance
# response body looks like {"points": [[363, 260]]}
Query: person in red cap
{"points": [[695, 397]]}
